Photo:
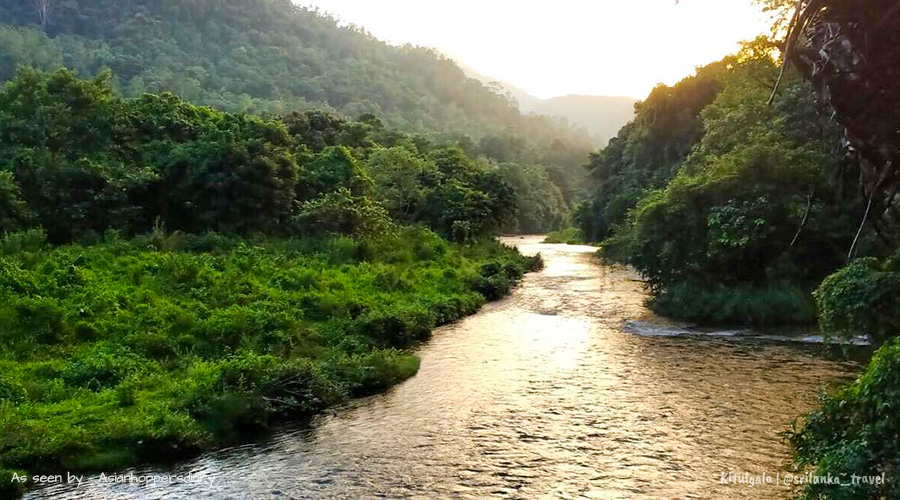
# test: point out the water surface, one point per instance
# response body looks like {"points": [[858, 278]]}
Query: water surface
{"points": [[570, 388]]}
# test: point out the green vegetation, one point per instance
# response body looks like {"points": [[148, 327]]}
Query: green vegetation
{"points": [[133, 162], [736, 204], [854, 432], [862, 297], [265, 56], [273, 58], [733, 210], [775, 304], [288, 266], [571, 235], [646, 152], [176, 276], [131, 350]]}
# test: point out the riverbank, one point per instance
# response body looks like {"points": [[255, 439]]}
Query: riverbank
{"points": [[157, 348], [541, 394]]}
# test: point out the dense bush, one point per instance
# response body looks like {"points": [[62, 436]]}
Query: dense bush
{"points": [[861, 299], [77, 160], [775, 304], [129, 350], [84, 161], [855, 432], [572, 236], [342, 213]]}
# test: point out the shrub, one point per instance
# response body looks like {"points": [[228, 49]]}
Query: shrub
{"points": [[571, 236], [855, 431], [745, 305], [32, 240], [342, 213], [862, 298], [496, 278], [378, 370], [397, 326], [102, 366]]}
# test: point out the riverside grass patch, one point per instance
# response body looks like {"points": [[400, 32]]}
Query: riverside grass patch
{"points": [[158, 347]]}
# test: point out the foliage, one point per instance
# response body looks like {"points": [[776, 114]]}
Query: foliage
{"points": [[84, 161], [540, 204], [401, 176], [79, 161], [773, 304], [854, 432], [848, 52], [122, 351], [570, 235], [647, 151], [752, 208], [862, 298], [24, 46], [272, 57], [14, 213], [333, 169], [340, 212], [274, 282]]}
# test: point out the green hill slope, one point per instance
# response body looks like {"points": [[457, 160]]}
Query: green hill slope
{"points": [[261, 56]]}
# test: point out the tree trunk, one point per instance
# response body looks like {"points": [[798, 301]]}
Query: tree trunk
{"points": [[43, 8]]}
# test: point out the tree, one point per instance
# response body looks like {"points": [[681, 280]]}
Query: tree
{"points": [[849, 51], [332, 169], [43, 9], [398, 173]]}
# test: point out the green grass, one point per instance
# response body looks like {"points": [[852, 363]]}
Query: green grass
{"points": [[571, 236], [159, 347]]}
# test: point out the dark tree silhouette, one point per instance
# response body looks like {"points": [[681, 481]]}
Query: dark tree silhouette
{"points": [[850, 51]]}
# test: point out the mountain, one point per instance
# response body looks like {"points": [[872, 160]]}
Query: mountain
{"points": [[265, 57], [602, 116]]}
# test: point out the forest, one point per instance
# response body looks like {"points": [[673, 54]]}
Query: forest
{"points": [[272, 58], [733, 209], [220, 215]]}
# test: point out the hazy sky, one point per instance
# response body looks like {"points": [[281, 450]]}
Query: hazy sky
{"points": [[551, 48]]}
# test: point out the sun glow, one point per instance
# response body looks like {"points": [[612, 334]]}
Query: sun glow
{"points": [[602, 47]]}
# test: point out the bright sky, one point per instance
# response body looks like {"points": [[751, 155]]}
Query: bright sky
{"points": [[600, 47]]}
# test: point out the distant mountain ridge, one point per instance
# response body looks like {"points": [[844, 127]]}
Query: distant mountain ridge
{"points": [[602, 116]]}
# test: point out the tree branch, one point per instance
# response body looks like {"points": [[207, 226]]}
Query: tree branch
{"points": [[792, 26], [809, 198], [861, 225]]}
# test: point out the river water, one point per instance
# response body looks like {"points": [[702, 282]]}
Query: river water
{"points": [[569, 388]]}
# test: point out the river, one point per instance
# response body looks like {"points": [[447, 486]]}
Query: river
{"points": [[569, 388]]}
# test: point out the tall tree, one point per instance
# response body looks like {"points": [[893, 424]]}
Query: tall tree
{"points": [[850, 51], [43, 9]]}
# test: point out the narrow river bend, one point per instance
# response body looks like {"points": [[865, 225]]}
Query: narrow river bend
{"points": [[549, 393]]}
